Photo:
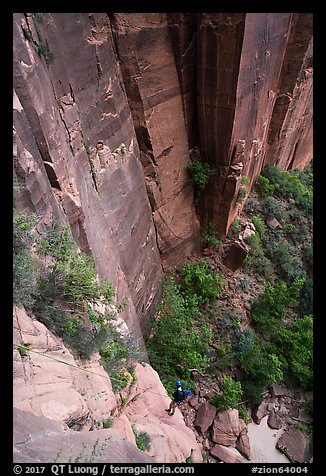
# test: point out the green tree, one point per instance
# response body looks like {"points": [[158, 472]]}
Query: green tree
{"points": [[199, 172], [199, 280], [231, 394]]}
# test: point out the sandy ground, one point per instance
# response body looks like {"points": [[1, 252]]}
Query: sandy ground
{"points": [[262, 442]]}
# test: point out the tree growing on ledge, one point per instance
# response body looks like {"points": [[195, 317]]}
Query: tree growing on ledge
{"points": [[200, 172]]}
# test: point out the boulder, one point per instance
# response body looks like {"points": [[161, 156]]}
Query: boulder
{"points": [[278, 390], [226, 427], [205, 416], [274, 224], [193, 401], [243, 444], [227, 454], [235, 256], [259, 412], [295, 444], [274, 421]]}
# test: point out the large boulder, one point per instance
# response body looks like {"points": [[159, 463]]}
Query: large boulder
{"points": [[226, 427], [205, 416], [243, 444], [236, 254], [227, 454], [274, 421], [259, 412], [295, 445]]}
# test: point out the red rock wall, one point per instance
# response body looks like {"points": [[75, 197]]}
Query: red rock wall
{"points": [[261, 113], [237, 85], [80, 97], [152, 85]]}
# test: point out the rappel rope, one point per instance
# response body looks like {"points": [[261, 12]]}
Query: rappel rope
{"points": [[81, 368]]}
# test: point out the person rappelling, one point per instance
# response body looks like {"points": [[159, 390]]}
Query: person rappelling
{"points": [[179, 396]]}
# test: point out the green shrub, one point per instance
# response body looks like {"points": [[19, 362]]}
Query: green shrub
{"points": [[269, 309], [210, 238], [254, 243], [199, 280], [259, 225], [263, 187], [199, 172], [262, 369], [224, 356], [288, 185], [295, 346], [289, 263], [241, 195], [107, 423], [245, 180], [26, 274], [273, 207], [143, 440], [23, 226], [175, 342], [231, 394]]}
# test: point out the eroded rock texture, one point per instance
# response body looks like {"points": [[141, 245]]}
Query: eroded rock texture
{"points": [[60, 112], [235, 87], [243, 80], [56, 405]]}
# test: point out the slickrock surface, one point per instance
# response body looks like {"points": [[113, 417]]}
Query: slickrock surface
{"points": [[58, 399]]}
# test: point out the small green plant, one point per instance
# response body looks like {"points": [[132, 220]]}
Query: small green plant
{"points": [[143, 440], [120, 380], [123, 401], [107, 423], [245, 180], [42, 48], [259, 225], [282, 449], [210, 238], [23, 352], [231, 394], [200, 173], [241, 195], [254, 243]]}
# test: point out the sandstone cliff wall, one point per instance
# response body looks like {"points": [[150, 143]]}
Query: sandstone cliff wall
{"points": [[236, 86]]}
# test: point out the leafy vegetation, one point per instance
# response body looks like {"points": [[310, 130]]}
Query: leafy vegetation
{"points": [[42, 48], [177, 344], [231, 394], [199, 282], [59, 285], [143, 440], [287, 251], [209, 235], [282, 348], [199, 172]]}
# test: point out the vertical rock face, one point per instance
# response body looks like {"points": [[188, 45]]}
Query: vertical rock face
{"points": [[290, 136], [61, 111], [236, 86], [145, 52], [243, 62]]}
